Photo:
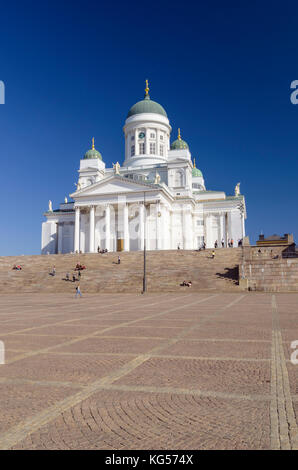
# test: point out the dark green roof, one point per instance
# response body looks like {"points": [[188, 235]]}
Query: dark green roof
{"points": [[196, 172], [92, 153], [179, 144], [146, 106]]}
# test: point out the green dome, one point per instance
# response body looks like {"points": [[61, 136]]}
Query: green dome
{"points": [[92, 153], [179, 144], [196, 172], [146, 106]]}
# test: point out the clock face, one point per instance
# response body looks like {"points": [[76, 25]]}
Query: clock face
{"points": [[141, 135]]}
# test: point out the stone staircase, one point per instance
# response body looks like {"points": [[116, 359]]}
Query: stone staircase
{"points": [[165, 271]]}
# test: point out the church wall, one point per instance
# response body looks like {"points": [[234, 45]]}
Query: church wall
{"points": [[49, 238], [68, 237], [235, 226]]}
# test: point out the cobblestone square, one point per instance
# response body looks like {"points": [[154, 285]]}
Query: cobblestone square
{"points": [[155, 371]]}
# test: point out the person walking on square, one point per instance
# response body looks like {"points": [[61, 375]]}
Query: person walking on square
{"points": [[118, 259], [78, 291], [222, 243]]}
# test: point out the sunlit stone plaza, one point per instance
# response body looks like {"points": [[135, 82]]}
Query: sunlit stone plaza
{"points": [[156, 371]]}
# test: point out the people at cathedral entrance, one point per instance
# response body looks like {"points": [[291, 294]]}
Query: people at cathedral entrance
{"points": [[160, 177]]}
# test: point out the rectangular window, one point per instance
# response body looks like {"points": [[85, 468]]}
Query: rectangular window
{"points": [[161, 150], [200, 222], [152, 136], [161, 137], [132, 138], [152, 148], [142, 148], [132, 151]]}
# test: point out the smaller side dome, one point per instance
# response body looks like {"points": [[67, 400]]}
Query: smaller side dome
{"points": [[179, 143], [195, 171], [92, 153]]}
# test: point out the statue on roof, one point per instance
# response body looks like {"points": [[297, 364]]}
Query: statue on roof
{"points": [[116, 167], [50, 206], [157, 178], [237, 189]]}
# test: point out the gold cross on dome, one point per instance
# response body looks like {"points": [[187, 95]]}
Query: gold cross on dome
{"points": [[147, 88]]}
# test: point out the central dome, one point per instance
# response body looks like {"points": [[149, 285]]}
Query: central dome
{"points": [[146, 106]]}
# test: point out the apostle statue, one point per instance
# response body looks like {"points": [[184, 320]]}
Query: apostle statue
{"points": [[50, 206], [78, 185], [116, 167], [65, 200], [237, 189], [157, 178]]}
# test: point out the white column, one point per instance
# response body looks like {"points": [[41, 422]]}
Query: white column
{"points": [[125, 227], [187, 229], [60, 235], [147, 145], [141, 226], [91, 230], [158, 223], [108, 226], [136, 142], [222, 232], [243, 226], [208, 228], [77, 230]]}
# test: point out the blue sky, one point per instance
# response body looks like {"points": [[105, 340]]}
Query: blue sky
{"points": [[222, 71]]}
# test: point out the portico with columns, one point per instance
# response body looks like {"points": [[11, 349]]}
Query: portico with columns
{"points": [[158, 193]]}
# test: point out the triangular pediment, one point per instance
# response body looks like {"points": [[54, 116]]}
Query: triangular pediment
{"points": [[111, 185]]}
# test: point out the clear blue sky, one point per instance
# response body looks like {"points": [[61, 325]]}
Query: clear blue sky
{"points": [[222, 70]]}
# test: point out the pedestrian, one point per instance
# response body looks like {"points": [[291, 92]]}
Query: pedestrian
{"points": [[78, 291], [213, 254], [232, 242], [53, 271], [215, 244], [222, 243], [79, 274], [73, 278], [67, 276], [118, 259]]}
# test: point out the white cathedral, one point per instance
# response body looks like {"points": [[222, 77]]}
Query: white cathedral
{"points": [[157, 197]]}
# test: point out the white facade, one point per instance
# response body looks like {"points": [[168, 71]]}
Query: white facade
{"points": [[157, 194]]}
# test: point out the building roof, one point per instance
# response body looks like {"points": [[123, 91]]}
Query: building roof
{"points": [[146, 106], [179, 144], [92, 153]]}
